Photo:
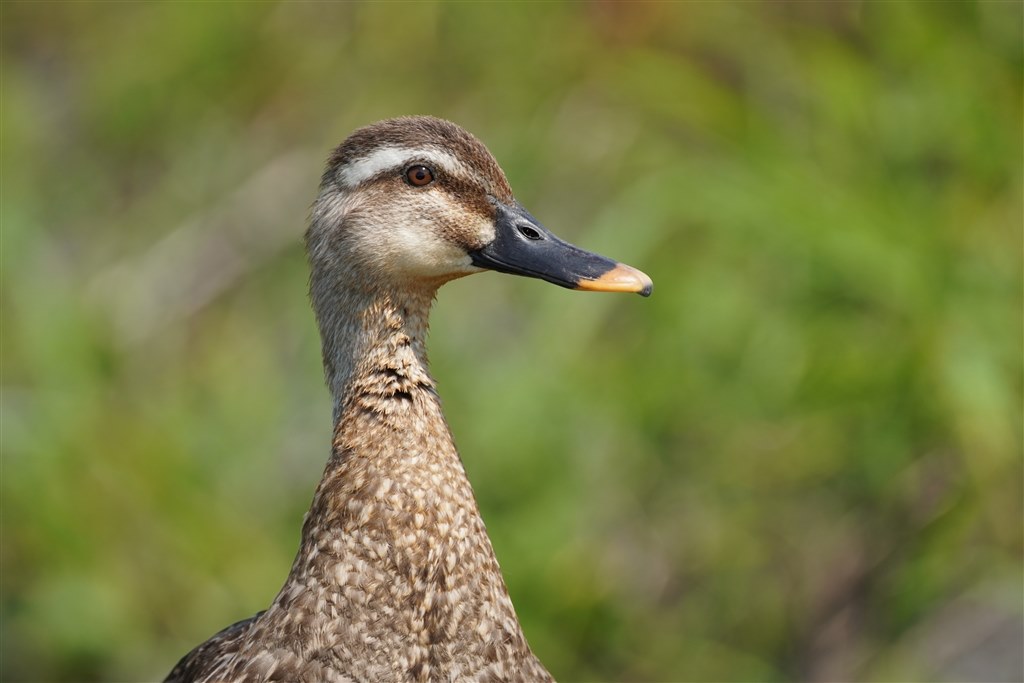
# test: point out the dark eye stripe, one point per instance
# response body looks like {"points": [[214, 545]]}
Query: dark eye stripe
{"points": [[472, 194]]}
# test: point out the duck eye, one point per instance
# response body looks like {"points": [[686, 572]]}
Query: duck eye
{"points": [[419, 175]]}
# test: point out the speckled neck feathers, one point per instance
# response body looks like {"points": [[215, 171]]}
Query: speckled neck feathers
{"points": [[394, 540]]}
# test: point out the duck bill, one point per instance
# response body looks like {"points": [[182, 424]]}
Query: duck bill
{"points": [[522, 246]]}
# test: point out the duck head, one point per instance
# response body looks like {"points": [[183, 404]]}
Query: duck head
{"points": [[420, 201]]}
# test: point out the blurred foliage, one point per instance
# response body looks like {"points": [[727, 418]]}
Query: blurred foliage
{"points": [[799, 460]]}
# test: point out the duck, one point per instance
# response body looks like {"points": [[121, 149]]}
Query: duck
{"points": [[395, 578]]}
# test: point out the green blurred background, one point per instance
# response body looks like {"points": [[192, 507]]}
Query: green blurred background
{"points": [[799, 460]]}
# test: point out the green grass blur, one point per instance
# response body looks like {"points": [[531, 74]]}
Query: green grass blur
{"points": [[800, 459]]}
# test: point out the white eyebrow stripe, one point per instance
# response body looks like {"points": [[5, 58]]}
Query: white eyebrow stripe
{"points": [[361, 170]]}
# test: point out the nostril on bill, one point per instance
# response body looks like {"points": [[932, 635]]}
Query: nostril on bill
{"points": [[529, 233]]}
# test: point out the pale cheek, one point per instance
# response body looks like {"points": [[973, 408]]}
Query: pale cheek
{"points": [[418, 252], [481, 230], [429, 241], [423, 238], [413, 248]]}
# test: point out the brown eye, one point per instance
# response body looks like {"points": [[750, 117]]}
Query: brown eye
{"points": [[419, 176]]}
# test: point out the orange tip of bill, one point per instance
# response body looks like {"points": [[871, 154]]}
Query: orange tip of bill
{"points": [[621, 278]]}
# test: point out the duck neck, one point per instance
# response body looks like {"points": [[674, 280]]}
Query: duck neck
{"points": [[394, 538], [371, 337]]}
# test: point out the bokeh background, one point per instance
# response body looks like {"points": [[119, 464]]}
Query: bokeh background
{"points": [[799, 460]]}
